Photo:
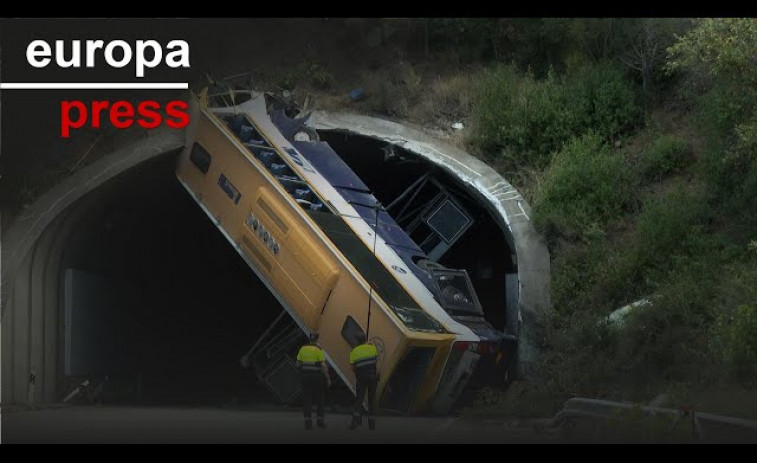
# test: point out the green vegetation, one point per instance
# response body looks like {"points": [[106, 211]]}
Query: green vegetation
{"points": [[309, 72], [739, 339], [635, 140], [528, 119], [585, 186], [665, 155], [638, 203], [685, 246]]}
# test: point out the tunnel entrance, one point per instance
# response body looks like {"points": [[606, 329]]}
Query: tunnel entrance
{"points": [[391, 172], [159, 303], [180, 305], [157, 299]]}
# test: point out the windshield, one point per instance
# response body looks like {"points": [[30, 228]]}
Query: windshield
{"points": [[457, 293]]}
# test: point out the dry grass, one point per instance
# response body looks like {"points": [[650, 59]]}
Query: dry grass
{"points": [[405, 91], [431, 99], [327, 101], [391, 91], [448, 99]]}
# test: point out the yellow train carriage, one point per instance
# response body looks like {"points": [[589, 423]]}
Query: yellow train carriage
{"points": [[311, 259]]}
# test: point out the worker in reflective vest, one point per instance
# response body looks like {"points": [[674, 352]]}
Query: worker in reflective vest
{"points": [[363, 361], [312, 364]]}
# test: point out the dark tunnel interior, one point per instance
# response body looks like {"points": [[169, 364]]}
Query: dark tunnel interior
{"points": [[181, 306]]}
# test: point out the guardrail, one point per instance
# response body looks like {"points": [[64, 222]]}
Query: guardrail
{"points": [[593, 419]]}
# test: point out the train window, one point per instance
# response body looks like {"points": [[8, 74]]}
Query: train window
{"points": [[457, 293], [449, 221], [274, 162], [200, 158], [406, 379], [244, 129], [352, 332]]}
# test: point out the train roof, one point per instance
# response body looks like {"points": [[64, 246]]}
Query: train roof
{"points": [[322, 168]]}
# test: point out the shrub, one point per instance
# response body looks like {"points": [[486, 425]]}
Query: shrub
{"points": [[665, 155], [524, 118], [718, 60], [728, 145], [667, 340], [585, 186], [527, 119], [738, 335], [667, 223], [595, 277], [309, 71], [470, 38], [573, 274], [603, 99]]}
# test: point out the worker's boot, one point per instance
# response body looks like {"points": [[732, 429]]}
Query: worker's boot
{"points": [[357, 420], [308, 424], [371, 424]]}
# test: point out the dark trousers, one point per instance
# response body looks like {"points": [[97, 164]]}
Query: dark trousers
{"points": [[313, 388], [366, 382]]}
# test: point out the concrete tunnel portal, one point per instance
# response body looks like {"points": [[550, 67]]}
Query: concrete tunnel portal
{"points": [[182, 306]]}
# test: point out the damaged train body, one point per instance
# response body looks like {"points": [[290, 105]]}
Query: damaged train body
{"points": [[336, 259]]}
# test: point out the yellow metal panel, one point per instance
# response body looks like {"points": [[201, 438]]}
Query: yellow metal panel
{"points": [[307, 273], [252, 248], [427, 390]]}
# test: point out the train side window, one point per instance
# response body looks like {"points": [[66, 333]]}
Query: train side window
{"points": [[256, 144], [352, 332], [200, 158]]}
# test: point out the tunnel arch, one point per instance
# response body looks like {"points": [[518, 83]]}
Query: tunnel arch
{"points": [[34, 246], [32, 251]]}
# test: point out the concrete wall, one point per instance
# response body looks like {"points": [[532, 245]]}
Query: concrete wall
{"points": [[32, 250]]}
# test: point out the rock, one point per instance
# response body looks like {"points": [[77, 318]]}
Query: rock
{"points": [[458, 126], [356, 94]]}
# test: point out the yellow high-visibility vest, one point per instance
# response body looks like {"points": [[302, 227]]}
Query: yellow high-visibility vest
{"points": [[364, 355], [311, 358], [311, 354]]}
